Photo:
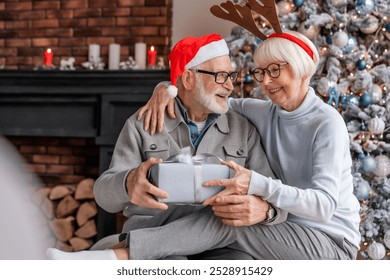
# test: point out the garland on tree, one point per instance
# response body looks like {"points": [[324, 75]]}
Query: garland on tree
{"points": [[353, 38]]}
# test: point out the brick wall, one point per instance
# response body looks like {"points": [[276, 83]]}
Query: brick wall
{"points": [[59, 161], [29, 27]]}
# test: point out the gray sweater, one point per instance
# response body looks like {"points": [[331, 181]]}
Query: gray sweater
{"points": [[308, 149]]}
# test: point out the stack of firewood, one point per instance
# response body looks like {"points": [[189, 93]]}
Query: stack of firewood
{"points": [[70, 211]]}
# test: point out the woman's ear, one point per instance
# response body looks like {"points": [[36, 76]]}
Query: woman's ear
{"points": [[188, 79]]}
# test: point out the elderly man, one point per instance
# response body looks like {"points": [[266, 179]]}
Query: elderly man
{"points": [[202, 77]]}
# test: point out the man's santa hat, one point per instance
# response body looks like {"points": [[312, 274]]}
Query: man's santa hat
{"points": [[192, 51]]}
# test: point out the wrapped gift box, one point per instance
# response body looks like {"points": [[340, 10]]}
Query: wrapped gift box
{"points": [[183, 182]]}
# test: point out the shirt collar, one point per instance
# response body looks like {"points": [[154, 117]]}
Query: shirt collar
{"points": [[181, 116]]}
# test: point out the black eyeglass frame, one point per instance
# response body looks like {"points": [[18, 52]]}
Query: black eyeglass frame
{"points": [[266, 70], [215, 74]]}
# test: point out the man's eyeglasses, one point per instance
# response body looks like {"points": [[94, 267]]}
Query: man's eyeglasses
{"points": [[221, 76], [273, 70]]}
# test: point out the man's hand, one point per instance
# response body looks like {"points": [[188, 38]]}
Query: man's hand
{"points": [[154, 110], [240, 210], [141, 191], [238, 185]]}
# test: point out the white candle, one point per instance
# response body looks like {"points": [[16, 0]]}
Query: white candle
{"points": [[140, 55], [114, 56], [94, 53]]}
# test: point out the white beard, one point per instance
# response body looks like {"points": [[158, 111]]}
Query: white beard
{"points": [[208, 100]]}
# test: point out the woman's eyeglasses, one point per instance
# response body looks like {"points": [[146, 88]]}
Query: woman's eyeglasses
{"points": [[221, 76], [273, 70]]}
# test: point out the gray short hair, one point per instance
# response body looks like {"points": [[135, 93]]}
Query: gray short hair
{"points": [[280, 49]]}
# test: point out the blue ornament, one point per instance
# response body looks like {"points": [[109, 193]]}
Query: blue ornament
{"points": [[365, 99], [344, 101], [351, 45], [361, 64], [365, 7], [248, 78], [361, 156], [328, 39], [363, 127], [353, 100], [298, 3], [387, 27], [368, 164]]}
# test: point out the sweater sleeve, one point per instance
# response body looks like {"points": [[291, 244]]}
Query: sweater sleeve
{"points": [[110, 188], [318, 198]]}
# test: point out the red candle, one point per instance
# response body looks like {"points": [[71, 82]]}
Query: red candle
{"points": [[152, 56], [48, 57]]}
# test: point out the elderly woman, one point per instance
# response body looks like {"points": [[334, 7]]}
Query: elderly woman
{"points": [[306, 142]]}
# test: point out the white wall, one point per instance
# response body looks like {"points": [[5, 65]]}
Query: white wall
{"points": [[193, 18]]}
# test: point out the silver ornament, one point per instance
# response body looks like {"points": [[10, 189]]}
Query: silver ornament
{"points": [[376, 125], [386, 239], [376, 251], [284, 8], [382, 166], [340, 39], [376, 93], [310, 31], [369, 25]]}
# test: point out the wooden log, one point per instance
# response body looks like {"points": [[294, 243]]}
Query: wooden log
{"points": [[67, 206], [84, 189], [59, 192], [64, 246], [86, 211], [79, 244], [88, 230], [63, 229]]}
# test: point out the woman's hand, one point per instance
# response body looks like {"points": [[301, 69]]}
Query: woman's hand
{"points": [[154, 110], [241, 210], [238, 185]]}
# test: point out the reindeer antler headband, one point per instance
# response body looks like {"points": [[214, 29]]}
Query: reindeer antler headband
{"points": [[242, 15]]}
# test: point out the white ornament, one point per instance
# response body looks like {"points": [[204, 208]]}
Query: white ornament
{"points": [[376, 251], [376, 125], [376, 93], [340, 39], [369, 25], [382, 166], [284, 8], [386, 239]]}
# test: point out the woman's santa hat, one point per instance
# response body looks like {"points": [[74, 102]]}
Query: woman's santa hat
{"points": [[192, 51]]}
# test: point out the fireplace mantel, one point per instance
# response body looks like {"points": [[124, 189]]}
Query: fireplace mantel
{"points": [[85, 103]]}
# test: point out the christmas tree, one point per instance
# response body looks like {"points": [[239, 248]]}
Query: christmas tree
{"points": [[353, 38]]}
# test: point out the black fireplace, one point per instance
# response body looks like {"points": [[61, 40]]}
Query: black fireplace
{"points": [[75, 104]]}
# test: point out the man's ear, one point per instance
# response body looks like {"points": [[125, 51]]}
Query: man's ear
{"points": [[188, 79]]}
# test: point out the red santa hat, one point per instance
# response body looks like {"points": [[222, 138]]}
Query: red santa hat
{"points": [[192, 51]]}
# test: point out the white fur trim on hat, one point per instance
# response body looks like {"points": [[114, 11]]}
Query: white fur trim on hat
{"points": [[172, 91], [209, 51]]}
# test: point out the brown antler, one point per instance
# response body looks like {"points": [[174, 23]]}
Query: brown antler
{"points": [[267, 10], [242, 15]]}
